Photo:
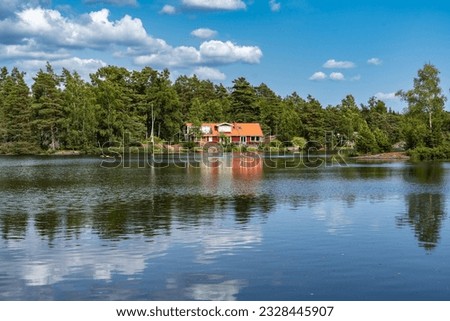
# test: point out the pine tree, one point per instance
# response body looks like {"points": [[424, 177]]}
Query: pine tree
{"points": [[48, 108], [243, 102], [17, 108], [80, 122], [3, 76]]}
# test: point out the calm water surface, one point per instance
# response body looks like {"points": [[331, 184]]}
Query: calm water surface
{"points": [[72, 230]]}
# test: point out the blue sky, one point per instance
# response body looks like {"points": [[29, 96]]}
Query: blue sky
{"points": [[326, 48]]}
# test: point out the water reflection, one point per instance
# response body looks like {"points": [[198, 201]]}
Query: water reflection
{"points": [[223, 291], [425, 214], [428, 173], [14, 226], [201, 232]]}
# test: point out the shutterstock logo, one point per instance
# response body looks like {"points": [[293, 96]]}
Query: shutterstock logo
{"points": [[185, 154]]}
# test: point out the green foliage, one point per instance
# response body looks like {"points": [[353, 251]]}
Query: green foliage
{"points": [[244, 108], [426, 107], [313, 119], [80, 123], [365, 140], [382, 140], [48, 114], [124, 108], [428, 154], [414, 132], [16, 105], [299, 142], [268, 104], [289, 123]]}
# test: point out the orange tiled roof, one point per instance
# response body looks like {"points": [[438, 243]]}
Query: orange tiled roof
{"points": [[237, 129]]}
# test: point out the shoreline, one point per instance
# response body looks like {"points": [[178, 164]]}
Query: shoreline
{"points": [[390, 156]]}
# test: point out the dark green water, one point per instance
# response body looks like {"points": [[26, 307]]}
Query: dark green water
{"points": [[73, 230]]}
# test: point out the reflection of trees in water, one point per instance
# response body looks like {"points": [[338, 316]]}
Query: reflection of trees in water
{"points": [[157, 215], [365, 172], [425, 173], [48, 224], [14, 226], [149, 217], [246, 205], [425, 214]]}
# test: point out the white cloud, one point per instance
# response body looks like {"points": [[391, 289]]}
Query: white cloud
{"points": [[94, 30], [215, 4], [210, 52], [375, 61], [386, 96], [172, 57], [168, 9], [274, 6], [204, 33], [30, 50], [84, 67], [356, 78], [318, 76], [337, 76], [224, 291], [9, 7], [227, 52], [114, 2], [333, 64], [209, 73], [36, 34]]}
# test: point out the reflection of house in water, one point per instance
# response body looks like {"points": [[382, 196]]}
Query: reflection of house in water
{"points": [[237, 172]]}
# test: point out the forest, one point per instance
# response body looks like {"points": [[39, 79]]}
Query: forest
{"points": [[65, 112]]}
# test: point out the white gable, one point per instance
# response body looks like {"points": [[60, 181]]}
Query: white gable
{"points": [[224, 128]]}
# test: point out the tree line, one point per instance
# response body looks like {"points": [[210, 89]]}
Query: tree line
{"points": [[65, 112]]}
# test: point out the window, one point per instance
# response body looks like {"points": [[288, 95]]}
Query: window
{"points": [[206, 130], [255, 139], [243, 139]]}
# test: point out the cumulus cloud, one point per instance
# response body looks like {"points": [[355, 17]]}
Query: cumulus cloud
{"points": [[209, 73], [172, 57], [113, 2], [318, 76], [204, 33], [210, 52], [375, 61], [274, 6], [94, 30], [9, 7], [29, 49], [333, 64], [387, 96], [215, 4], [168, 9], [337, 76], [84, 67], [45, 34], [228, 52]]}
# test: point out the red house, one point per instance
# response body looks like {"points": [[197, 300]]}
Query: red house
{"points": [[236, 133]]}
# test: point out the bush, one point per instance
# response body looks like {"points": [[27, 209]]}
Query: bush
{"points": [[299, 142], [428, 154], [20, 148], [189, 145]]}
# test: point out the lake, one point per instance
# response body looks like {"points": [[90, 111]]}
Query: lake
{"points": [[83, 228]]}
